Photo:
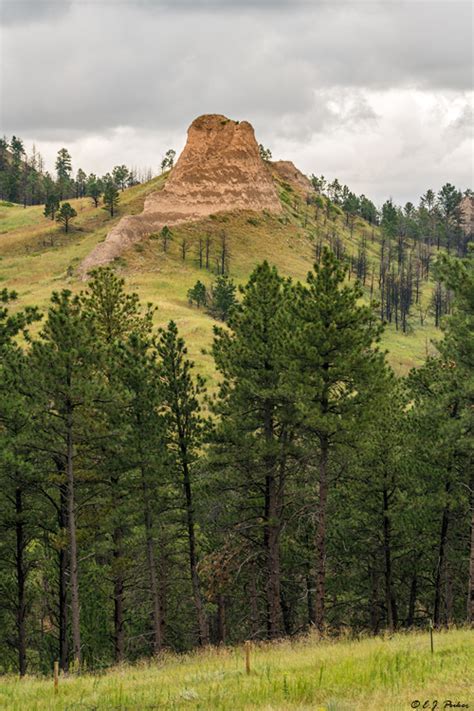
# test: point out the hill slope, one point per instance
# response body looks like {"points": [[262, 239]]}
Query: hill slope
{"points": [[38, 257]]}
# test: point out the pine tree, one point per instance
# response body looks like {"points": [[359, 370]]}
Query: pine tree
{"points": [[116, 316], [111, 197], [121, 175], [256, 413], [180, 395], [94, 188], [64, 385], [63, 172], [198, 294], [222, 298], [65, 214], [18, 491], [335, 372]]}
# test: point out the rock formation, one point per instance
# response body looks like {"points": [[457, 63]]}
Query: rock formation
{"points": [[220, 169], [288, 172], [466, 207]]}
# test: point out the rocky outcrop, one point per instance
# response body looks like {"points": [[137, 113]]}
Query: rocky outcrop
{"points": [[287, 171], [466, 208], [220, 169]]}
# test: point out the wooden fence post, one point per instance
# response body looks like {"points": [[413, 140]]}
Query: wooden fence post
{"points": [[247, 657], [56, 677]]}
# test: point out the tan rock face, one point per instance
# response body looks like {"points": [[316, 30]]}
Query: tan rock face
{"points": [[467, 214], [220, 169], [288, 172]]}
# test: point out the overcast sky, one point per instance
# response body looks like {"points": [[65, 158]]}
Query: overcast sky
{"points": [[377, 93]]}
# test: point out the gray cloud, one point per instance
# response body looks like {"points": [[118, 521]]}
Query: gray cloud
{"points": [[26, 12], [300, 71]]}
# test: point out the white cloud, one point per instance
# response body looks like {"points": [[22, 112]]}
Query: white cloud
{"points": [[375, 92]]}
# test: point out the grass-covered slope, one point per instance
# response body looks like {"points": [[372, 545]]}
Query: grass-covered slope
{"points": [[367, 675], [37, 257]]}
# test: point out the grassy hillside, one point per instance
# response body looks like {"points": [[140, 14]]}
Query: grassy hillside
{"points": [[37, 257], [367, 675]]}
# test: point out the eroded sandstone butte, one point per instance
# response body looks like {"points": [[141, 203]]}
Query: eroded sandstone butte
{"points": [[220, 169]]}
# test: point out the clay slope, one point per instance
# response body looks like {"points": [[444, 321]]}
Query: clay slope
{"points": [[288, 172], [220, 169]]}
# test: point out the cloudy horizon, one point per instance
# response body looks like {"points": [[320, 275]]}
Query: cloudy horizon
{"points": [[377, 93]]}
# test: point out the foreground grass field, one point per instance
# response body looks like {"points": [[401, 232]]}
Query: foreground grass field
{"points": [[371, 674]]}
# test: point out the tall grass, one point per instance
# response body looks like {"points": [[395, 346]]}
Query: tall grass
{"points": [[371, 674]]}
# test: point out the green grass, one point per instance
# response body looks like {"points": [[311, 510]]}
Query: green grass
{"points": [[372, 674], [36, 256]]}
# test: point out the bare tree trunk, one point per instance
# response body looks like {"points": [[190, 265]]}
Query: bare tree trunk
{"points": [[21, 580], [470, 592], [119, 586], [63, 573], [310, 599], [254, 616], [441, 558], [390, 602], [374, 600], [272, 541], [203, 623], [413, 595], [71, 517], [221, 626], [150, 553], [320, 537], [272, 535]]}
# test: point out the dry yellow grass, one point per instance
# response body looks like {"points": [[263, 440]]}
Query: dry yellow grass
{"points": [[38, 257]]}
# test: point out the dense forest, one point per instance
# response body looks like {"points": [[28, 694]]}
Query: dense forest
{"points": [[307, 487]]}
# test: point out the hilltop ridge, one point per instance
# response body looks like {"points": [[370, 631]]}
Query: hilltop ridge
{"points": [[220, 169]]}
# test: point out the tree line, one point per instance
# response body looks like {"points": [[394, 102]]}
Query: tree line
{"points": [[24, 180], [305, 486], [437, 221]]}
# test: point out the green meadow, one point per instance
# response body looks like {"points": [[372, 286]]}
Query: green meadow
{"points": [[37, 257], [371, 674]]}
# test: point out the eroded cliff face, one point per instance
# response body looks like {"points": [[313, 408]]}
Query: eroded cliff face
{"points": [[288, 172], [466, 207], [220, 169]]}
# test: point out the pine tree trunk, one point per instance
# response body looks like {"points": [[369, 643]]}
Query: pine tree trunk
{"points": [[320, 537], [21, 580], [254, 616], [310, 599], [441, 558], [272, 535], [150, 554], [374, 600], [412, 599], [203, 623], [470, 592], [390, 602], [71, 516], [272, 539], [63, 574], [221, 626], [119, 629]]}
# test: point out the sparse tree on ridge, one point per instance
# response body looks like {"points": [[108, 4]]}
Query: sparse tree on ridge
{"points": [[63, 172], [168, 161], [94, 188], [121, 175], [65, 214], [51, 206], [111, 197]]}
